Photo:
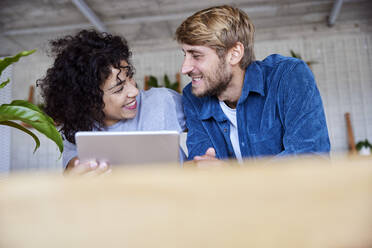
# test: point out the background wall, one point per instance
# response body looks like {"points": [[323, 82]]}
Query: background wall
{"points": [[5, 97]]}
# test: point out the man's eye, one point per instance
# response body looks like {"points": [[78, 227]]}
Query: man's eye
{"points": [[196, 56]]}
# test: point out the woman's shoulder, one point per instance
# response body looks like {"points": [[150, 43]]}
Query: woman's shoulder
{"points": [[163, 107], [160, 95]]}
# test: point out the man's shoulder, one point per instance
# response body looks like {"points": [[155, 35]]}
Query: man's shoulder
{"points": [[275, 66], [277, 60]]}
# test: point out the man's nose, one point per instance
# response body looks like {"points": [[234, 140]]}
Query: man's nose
{"points": [[187, 67]]}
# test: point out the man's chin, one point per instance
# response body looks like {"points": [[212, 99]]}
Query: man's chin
{"points": [[198, 92]]}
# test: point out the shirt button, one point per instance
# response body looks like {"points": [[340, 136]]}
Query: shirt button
{"points": [[243, 144], [225, 130]]}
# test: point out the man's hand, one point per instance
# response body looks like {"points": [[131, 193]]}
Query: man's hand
{"points": [[209, 155], [89, 168], [207, 160]]}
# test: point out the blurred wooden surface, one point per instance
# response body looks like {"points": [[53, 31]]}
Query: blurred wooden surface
{"points": [[287, 203]]}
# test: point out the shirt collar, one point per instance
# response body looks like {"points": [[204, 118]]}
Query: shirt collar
{"points": [[253, 81], [211, 108]]}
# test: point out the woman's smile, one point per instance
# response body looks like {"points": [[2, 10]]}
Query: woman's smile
{"points": [[131, 106]]}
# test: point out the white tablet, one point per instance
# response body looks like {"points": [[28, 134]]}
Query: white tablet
{"points": [[129, 148]]}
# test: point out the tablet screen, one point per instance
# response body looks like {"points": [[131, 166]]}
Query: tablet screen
{"points": [[129, 148]]}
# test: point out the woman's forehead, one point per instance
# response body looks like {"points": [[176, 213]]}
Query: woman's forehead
{"points": [[123, 63], [112, 79], [115, 71]]}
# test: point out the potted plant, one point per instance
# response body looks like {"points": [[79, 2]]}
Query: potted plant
{"points": [[151, 81], [24, 111], [364, 147], [298, 56]]}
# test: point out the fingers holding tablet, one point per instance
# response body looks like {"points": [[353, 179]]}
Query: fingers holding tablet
{"points": [[87, 168]]}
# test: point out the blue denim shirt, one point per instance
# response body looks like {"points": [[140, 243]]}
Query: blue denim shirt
{"points": [[279, 112]]}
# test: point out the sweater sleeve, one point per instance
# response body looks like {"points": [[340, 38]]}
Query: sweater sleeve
{"points": [[69, 152]]}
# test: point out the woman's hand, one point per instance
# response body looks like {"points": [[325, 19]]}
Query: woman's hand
{"points": [[88, 168]]}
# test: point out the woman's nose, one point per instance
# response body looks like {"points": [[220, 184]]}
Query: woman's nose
{"points": [[132, 90]]}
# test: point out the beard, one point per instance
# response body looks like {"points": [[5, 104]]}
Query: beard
{"points": [[216, 82]]}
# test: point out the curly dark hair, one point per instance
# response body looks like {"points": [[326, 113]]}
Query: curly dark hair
{"points": [[71, 87]]}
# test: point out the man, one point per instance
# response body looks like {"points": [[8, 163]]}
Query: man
{"points": [[237, 107]]}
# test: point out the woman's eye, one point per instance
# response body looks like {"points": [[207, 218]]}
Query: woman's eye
{"points": [[119, 90]]}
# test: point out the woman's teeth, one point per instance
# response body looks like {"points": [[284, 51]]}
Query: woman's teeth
{"points": [[131, 104]]}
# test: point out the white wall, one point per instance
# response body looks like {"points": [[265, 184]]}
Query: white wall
{"points": [[343, 73], [5, 97]]}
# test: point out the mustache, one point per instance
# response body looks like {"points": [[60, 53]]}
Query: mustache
{"points": [[194, 74]]}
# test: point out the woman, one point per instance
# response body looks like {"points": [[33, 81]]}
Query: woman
{"points": [[90, 86]]}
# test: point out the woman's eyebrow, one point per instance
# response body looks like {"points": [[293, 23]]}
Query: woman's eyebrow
{"points": [[117, 84]]}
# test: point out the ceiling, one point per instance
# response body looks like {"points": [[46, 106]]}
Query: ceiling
{"points": [[150, 24]]}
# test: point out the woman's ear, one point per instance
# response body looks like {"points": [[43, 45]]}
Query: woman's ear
{"points": [[236, 53]]}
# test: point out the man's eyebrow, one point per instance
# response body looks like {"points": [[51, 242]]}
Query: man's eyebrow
{"points": [[193, 51]]}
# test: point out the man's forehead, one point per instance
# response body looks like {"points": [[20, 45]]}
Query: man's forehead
{"points": [[196, 48]]}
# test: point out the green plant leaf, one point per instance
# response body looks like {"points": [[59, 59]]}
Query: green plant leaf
{"points": [[295, 55], [362, 144], [32, 115], [311, 62], [167, 82], [3, 84], [16, 125], [27, 112], [29, 105], [152, 82], [5, 62], [359, 146], [174, 86]]}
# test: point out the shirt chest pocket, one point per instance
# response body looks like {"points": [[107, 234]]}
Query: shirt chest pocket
{"points": [[267, 141]]}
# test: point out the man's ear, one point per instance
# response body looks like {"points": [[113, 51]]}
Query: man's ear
{"points": [[236, 53]]}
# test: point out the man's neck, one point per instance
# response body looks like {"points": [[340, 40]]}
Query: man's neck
{"points": [[232, 93]]}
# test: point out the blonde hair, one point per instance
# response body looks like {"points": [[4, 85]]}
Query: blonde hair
{"points": [[219, 28]]}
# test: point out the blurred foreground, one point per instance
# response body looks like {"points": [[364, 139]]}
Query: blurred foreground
{"points": [[304, 202]]}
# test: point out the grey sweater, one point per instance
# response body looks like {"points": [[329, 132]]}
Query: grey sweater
{"points": [[158, 109]]}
